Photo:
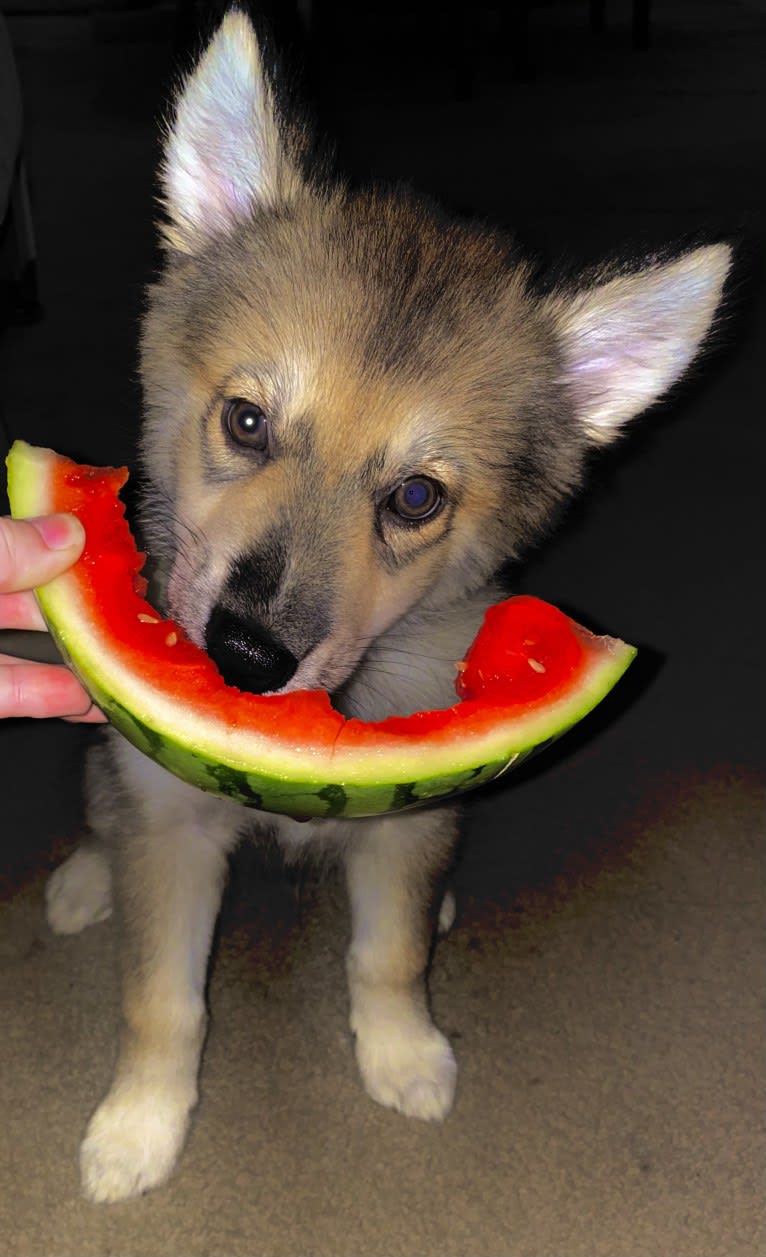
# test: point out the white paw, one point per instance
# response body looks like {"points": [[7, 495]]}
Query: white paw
{"points": [[79, 893], [447, 913], [132, 1144], [412, 1071]]}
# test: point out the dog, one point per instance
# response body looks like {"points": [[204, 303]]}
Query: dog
{"points": [[357, 412]]}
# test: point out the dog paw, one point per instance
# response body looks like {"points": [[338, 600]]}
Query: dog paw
{"points": [[131, 1145], [79, 893], [414, 1073], [447, 912]]}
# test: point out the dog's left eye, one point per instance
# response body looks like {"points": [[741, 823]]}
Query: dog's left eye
{"points": [[416, 499], [246, 424]]}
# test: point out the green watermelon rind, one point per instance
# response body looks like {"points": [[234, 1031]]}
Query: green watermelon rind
{"points": [[258, 770]]}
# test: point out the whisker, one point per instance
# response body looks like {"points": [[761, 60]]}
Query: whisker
{"points": [[169, 533], [366, 688], [384, 649]]}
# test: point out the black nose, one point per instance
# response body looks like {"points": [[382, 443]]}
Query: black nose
{"points": [[246, 654]]}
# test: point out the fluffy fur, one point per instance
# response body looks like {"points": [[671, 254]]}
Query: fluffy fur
{"points": [[310, 357]]}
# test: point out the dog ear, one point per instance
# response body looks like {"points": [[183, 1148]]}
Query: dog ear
{"points": [[226, 152], [628, 339]]}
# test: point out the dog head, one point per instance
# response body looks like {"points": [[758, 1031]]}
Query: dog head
{"points": [[356, 407]]}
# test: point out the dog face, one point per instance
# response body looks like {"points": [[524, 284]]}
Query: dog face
{"points": [[355, 407]]}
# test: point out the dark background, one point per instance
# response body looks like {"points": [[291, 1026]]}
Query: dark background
{"points": [[581, 143], [585, 143]]}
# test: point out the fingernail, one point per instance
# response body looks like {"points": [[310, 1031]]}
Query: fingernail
{"points": [[60, 532]]}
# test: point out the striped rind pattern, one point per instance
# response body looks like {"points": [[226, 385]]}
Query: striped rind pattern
{"points": [[261, 771]]}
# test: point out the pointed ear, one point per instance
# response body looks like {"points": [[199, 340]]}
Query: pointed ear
{"points": [[628, 340], [226, 152]]}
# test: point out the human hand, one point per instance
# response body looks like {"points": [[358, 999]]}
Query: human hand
{"points": [[32, 552]]}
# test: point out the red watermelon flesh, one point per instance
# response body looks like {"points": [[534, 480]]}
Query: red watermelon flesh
{"points": [[530, 673]]}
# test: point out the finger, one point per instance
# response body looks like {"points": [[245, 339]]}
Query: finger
{"points": [[33, 551], [20, 611], [93, 716], [41, 690]]}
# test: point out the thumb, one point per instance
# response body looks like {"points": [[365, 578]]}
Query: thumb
{"points": [[33, 551]]}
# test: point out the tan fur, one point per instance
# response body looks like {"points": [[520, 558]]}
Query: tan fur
{"points": [[293, 332], [381, 342]]}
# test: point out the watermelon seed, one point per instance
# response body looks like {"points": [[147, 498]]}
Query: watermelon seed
{"points": [[171, 639], [536, 665], [147, 619]]}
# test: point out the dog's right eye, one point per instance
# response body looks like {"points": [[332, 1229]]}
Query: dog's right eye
{"points": [[246, 424]]}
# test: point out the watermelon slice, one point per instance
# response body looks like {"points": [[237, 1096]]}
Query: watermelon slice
{"points": [[530, 674]]}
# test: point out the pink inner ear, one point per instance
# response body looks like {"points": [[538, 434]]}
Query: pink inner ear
{"points": [[602, 365], [239, 200], [214, 173], [224, 151], [629, 340]]}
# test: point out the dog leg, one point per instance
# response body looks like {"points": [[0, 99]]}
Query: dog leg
{"points": [[169, 883], [392, 865], [79, 892]]}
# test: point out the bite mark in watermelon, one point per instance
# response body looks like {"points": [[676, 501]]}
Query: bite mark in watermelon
{"points": [[530, 674]]}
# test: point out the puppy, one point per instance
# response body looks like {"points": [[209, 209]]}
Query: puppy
{"points": [[357, 411]]}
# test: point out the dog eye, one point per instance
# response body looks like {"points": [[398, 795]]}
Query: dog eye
{"points": [[246, 424], [416, 499]]}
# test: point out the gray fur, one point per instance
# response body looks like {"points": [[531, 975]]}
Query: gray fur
{"points": [[381, 341]]}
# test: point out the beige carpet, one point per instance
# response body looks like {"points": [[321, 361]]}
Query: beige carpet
{"points": [[608, 1024]]}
